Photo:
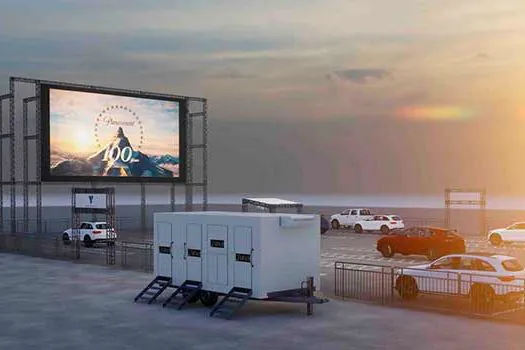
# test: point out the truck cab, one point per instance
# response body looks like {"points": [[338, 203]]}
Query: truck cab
{"points": [[348, 217]]}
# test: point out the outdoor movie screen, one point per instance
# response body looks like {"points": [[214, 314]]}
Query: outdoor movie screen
{"points": [[96, 135]]}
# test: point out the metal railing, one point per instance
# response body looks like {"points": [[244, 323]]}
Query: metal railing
{"points": [[477, 294], [136, 256]]}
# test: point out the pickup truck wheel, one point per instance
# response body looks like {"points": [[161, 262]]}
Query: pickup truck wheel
{"points": [[495, 240], [358, 228], [387, 251], [407, 287], [385, 229], [335, 225], [88, 242]]}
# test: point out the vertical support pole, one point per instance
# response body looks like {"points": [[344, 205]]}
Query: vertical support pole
{"points": [[483, 214], [25, 184], [94, 215], [309, 295], [75, 222], [143, 207], [2, 98], [447, 208], [110, 220], [38, 158], [205, 155], [12, 153], [189, 158], [172, 196]]}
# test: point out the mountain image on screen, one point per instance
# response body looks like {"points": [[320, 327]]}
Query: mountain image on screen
{"points": [[136, 164]]}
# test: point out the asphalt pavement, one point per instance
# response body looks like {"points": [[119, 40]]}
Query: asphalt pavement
{"points": [[49, 304]]}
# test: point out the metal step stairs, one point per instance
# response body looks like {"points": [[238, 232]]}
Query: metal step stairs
{"points": [[154, 289], [188, 290], [231, 303]]}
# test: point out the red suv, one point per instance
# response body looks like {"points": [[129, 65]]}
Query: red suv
{"points": [[433, 242]]}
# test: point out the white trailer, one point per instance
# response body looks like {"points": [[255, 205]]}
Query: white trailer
{"points": [[241, 256]]}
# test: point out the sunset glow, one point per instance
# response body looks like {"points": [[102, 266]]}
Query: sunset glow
{"points": [[435, 113]]}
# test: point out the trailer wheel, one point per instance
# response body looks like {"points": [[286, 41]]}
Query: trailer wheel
{"points": [[192, 300], [208, 298]]}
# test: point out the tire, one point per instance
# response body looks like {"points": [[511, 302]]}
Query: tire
{"points": [[208, 298], [385, 229], [407, 287], [65, 239], [358, 228], [335, 225], [87, 241], [495, 240], [387, 250], [482, 298], [194, 299]]}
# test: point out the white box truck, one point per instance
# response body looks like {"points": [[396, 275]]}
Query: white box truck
{"points": [[267, 256]]}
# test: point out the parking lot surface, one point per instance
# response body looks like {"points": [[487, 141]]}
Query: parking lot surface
{"points": [[48, 304]]}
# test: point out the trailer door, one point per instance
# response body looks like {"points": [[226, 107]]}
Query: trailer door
{"points": [[242, 266], [164, 252], [217, 255], [193, 252]]}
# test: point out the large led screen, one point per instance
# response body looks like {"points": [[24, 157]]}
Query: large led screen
{"points": [[101, 136]]}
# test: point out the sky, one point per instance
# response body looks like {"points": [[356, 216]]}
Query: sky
{"points": [[310, 96]]}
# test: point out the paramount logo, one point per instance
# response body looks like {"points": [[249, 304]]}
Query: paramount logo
{"points": [[109, 120]]}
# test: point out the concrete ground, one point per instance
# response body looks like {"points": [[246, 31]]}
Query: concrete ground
{"points": [[48, 304]]}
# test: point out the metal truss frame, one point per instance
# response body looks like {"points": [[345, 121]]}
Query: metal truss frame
{"points": [[481, 203], [108, 211], [191, 147]]}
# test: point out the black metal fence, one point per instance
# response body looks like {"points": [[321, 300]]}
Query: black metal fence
{"points": [[476, 294], [136, 256]]}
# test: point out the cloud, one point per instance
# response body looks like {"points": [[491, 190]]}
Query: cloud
{"points": [[481, 56], [360, 76], [231, 73]]}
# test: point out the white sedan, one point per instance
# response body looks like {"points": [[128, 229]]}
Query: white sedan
{"points": [[90, 233], [484, 277], [383, 223], [514, 233]]}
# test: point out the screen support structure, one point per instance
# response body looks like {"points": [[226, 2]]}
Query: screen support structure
{"points": [[31, 144], [2, 137], [108, 210], [481, 203]]}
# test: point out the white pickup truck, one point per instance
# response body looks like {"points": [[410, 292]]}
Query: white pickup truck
{"points": [[348, 217]]}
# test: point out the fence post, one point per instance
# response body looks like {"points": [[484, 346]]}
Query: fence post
{"points": [[392, 284]]}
